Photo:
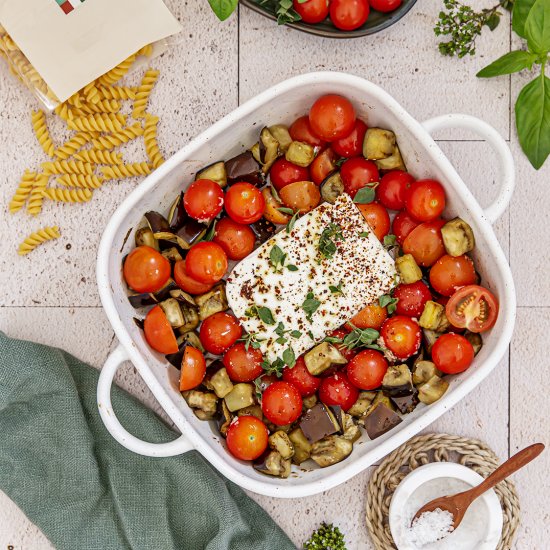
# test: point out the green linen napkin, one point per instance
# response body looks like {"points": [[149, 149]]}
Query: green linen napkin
{"points": [[85, 491]]}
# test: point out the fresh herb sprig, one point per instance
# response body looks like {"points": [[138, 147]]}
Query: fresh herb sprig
{"points": [[388, 302], [310, 305], [292, 222], [327, 247], [357, 338], [282, 333], [251, 340], [262, 312], [277, 260]]}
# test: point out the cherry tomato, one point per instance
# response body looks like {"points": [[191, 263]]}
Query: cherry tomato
{"points": [[146, 270], [272, 210], [322, 165], [473, 307], [452, 353], [377, 217], [282, 403], [412, 298], [243, 365], [385, 6], [449, 273], [348, 15], [337, 390], [219, 332], [392, 189], [371, 316], [425, 200], [301, 195], [206, 262], [402, 225], [203, 200], [301, 131], [352, 144], [425, 243], [367, 369], [332, 116], [298, 375], [244, 203], [311, 11], [236, 239], [284, 172], [356, 173], [193, 368], [401, 336], [158, 332], [341, 333], [247, 437], [186, 283]]}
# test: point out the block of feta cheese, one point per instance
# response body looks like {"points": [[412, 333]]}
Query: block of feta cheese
{"points": [[299, 286]]}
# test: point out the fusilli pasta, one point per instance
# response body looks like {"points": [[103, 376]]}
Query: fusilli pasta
{"points": [[144, 91], [37, 238], [83, 181], [23, 192], [91, 93], [99, 156], [147, 50], [114, 75], [71, 146], [68, 167], [34, 206], [42, 133], [150, 139], [64, 111], [117, 92], [120, 171], [98, 123], [118, 138], [67, 195]]}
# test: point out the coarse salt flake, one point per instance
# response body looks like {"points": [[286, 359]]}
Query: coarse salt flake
{"points": [[431, 527]]}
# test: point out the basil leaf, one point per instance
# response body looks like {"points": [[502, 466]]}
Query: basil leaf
{"points": [[533, 120], [280, 330], [223, 8], [493, 21], [276, 257], [281, 340], [365, 195], [519, 15], [291, 267], [264, 313], [295, 334], [310, 305], [537, 27], [509, 63], [288, 357]]}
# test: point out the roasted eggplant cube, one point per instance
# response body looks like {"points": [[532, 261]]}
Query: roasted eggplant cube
{"points": [[378, 143], [212, 302], [280, 442], [430, 337], [407, 403], [393, 162], [301, 154], [142, 300], [164, 292], [221, 384], [189, 233], [381, 420], [318, 422], [173, 312], [224, 417], [192, 338], [244, 167], [263, 229], [202, 415], [332, 187], [268, 148], [408, 269], [363, 404], [172, 254], [397, 381], [322, 357], [309, 402], [281, 134], [159, 225], [241, 396], [273, 464], [348, 427], [302, 447], [177, 215], [331, 450], [432, 390], [474, 339], [458, 237], [176, 359], [433, 317], [214, 172], [423, 371], [207, 402], [145, 237], [253, 410]]}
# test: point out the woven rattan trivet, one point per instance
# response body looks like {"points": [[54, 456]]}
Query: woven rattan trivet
{"points": [[427, 448]]}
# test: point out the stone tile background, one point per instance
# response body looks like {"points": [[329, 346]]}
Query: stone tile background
{"points": [[51, 295]]}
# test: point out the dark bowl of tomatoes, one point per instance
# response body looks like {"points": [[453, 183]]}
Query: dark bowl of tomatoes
{"points": [[337, 18]]}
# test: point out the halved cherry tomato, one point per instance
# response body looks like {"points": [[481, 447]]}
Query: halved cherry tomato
{"points": [[348, 353], [377, 217], [244, 203], [332, 116], [371, 316], [425, 200], [300, 130], [401, 336], [298, 375], [301, 195], [449, 273], [348, 15], [322, 165], [402, 225], [367, 369], [452, 353], [412, 298], [352, 144], [337, 390], [473, 307], [193, 368], [385, 6], [243, 365], [236, 239], [284, 172], [219, 332], [187, 283], [272, 205], [159, 333], [425, 243], [392, 189], [206, 262], [356, 173], [203, 200], [311, 11], [146, 270], [247, 437], [282, 403]]}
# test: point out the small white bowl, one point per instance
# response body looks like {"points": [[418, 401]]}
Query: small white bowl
{"points": [[482, 525]]}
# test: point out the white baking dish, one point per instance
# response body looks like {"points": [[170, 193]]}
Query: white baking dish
{"points": [[283, 103]]}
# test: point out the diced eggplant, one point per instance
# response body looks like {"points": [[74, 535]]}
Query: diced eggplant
{"points": [[318, 422], [280, 442], [381, 420], [139, 323], [378, 143], [309, 402], [458, 237], [393, 162], [175, 359], [207, 402], [348, 427], [215, 172], [300, 153], [381, 398], [253, 410], [142, 300], [281, 134], [172, 254], [475, 340], [202, 415], [192, 339], [212, 302], [273, 464], [173, 312], [407, 403], [159, 225], [423, 371], [430, 336], [221, 383], [432, 390], [145, 237], [241, 396], [302, 447], [332, 187], [164, 292], [274, 427], [263, 229], [433, 316], [211, 369], [224, 417], [363, 404], [269, 149], [322, 357], [331, 450], [397, 381], [189, 233], [408, 269], [244, 167], [177, 215], [183, 297]]}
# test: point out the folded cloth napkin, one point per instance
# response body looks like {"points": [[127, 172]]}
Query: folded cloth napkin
{"points": [[85, 491]]}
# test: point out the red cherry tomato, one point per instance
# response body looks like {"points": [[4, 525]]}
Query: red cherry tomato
{"points": [[300, 130], [243, 365], [402, 225], [298, 375], [385, 6], [412, 298], [425, 200], [301, 195], [247, 437], [244, 203], [158, 332], [449, 273], [282, 403], [203, 200], [322, 165], [356, 173], [401, 336], [377, 217], [367, 369], [146, 270], [332, 116], [371, 316], [452, 353], [236, 239], [284, 172], [186, 283], [206, 262], [425, 243], [219, 332], [341, 333], [193, 368], [392, 189], [311, 11], [349, 15], [352, 144], [473, 307], [337, 390]]}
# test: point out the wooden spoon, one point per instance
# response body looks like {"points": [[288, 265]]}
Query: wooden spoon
{"points": [[459, 503]]}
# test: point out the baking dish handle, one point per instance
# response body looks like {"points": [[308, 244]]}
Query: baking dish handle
{"points": [[115, 428], [506, 161]]}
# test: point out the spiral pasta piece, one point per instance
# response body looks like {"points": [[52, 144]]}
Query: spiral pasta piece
{"points": [[103, 106], [118, 138], [64, 111], [150, 139], [98, 123], [114, 75], [117, 92], [99, 156], [147, 50], [23, 191], [34, 206], [120, 171], [42, 133], [91, 93], [67, 195], [82, 181], [68, 167], [37, 238], [144, 91], [71, 146]]}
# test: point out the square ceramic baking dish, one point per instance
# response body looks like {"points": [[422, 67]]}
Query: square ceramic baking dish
{"points": [[230, 136]]}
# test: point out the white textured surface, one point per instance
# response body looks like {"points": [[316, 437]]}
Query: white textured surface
{"points": [[50, 296]]}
